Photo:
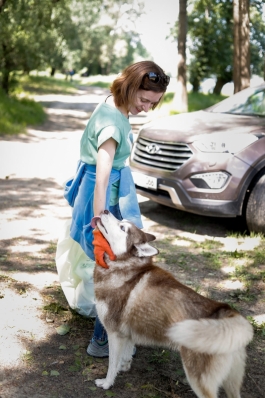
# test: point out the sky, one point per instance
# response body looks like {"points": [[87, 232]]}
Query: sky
{"points": [[154, 26]]}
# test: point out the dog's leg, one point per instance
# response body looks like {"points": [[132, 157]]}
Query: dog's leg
{"points": [[127, 356], [200, 386], [233, 382], [116, 350], [205, 373]]}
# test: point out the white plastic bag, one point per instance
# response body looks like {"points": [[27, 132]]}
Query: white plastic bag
{"points": [[75, 271]]}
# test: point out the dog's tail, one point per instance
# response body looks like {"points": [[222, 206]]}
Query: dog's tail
{"points": [[212, 336]]}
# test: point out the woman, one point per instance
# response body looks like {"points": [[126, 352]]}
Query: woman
{"points": [[103, 181]]}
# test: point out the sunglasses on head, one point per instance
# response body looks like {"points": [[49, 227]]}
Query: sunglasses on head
{"points": [[156, 78]]}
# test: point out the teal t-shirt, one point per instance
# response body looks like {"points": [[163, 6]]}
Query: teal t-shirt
{"points": [[107, 122]]}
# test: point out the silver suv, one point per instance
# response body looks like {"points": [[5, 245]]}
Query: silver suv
{"points": [[209, 162]]}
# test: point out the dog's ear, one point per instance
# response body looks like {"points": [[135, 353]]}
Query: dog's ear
{"points": [[149, 237], [145, 250]]}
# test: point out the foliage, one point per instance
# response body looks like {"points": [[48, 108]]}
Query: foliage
{"points": [[114, 36], [32, 35], [210, 24], [210, 28], [67, 35], [257, 41]]}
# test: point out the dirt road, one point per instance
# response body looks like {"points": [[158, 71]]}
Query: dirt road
{"points": [[36, 361]]}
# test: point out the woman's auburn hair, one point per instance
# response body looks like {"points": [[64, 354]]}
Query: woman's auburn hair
{"points": [[124, 88]]}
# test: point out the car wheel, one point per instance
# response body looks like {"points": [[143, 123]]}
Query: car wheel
{"points": [[255, 211]]}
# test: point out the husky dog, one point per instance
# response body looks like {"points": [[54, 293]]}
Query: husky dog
{"points": [[139, 303]]}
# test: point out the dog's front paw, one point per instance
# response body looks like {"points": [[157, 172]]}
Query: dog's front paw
{"points": [[103, 383]]}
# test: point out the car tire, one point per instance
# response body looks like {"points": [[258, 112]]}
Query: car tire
{"points": [[255, 210]]}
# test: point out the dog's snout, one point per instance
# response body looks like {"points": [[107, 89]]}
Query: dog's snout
{"points": [[106, 212]]}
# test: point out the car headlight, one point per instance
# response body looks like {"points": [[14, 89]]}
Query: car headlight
{"points": [[220, 143], [214, 180]]}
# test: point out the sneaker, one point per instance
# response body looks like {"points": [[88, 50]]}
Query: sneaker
{"points": [[100, 351], [96, 350]]}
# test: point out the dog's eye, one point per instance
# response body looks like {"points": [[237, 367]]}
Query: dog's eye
{"points": [[122, 227]]}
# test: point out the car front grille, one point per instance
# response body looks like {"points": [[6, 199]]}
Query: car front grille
{"points": [[168, 156]]}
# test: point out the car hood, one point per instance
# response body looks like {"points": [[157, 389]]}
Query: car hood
{"points": [[188, 127]]}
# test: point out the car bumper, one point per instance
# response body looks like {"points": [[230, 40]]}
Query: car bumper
{"points": [[177, 189], [176, 197]]}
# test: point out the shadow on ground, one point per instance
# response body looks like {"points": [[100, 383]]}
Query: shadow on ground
{"points": [[193, 223]]}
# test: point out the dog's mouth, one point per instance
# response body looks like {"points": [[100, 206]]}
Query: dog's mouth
{"points": [[101, 225], [98, 222], [94, 221]]}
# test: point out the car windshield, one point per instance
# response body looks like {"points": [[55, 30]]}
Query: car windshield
{"points": [[247, 102]]}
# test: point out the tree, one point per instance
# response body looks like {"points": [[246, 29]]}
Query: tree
{"points": [[257, 39], [81, 45], [210, 27], [211, 32], [66, 34], [114, 36], [30, 35], [241, 64], [180, 100]]}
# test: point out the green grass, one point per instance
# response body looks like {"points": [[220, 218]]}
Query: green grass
{"points": [[16, 114], [18, 111], [196, 101], [100, 84], [259, 328], [208, 244], [168, 97], [31, 84]]}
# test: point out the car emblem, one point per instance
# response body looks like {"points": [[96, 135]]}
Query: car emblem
{"points": [[152, 148]]}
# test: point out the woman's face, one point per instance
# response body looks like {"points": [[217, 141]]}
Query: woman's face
{"points": [[144, 101]]}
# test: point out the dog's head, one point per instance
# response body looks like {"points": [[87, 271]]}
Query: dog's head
{"points": [[124, 238]]}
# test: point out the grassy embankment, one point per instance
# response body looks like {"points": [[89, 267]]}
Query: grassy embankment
{"points": [[19, 110]]}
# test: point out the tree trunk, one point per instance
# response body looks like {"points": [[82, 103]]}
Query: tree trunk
{"points": [[218, 86], [264, 67], [195, 85], [241, 70], [5, 81], [2, 3], [180, 100], [53, 71], [5, 70]]}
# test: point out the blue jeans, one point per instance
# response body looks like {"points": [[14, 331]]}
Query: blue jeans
{"points": [[99, 331]]}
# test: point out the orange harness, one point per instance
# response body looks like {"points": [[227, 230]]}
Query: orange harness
{"points": [[101, 246]]}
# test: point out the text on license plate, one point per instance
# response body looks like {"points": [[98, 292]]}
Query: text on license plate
{"points": [[144, 181]]}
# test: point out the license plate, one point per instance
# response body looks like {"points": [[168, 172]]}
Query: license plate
{"points": [[144, 181]]}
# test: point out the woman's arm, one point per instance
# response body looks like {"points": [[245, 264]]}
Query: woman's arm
{"points": [[105, 158]]}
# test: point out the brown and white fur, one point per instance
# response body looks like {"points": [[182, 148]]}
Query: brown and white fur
{"points": [[139, 303]]}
